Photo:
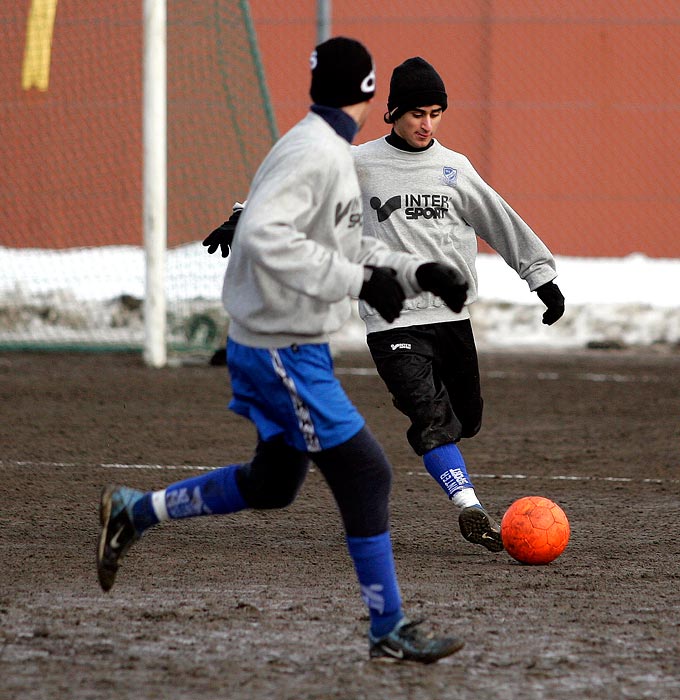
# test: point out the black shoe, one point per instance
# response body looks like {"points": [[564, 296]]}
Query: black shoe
{"points": [[477, 527], [407, 643], [118, 533]]}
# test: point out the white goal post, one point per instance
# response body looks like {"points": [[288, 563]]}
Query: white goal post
{"points": [[154, 136]]}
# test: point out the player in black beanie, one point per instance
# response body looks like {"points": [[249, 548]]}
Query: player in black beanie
{"points": [[342, 73], [343, 76], [421, 197]]}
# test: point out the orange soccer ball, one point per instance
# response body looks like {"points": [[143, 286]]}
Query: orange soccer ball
{"points": [[535, 530]]}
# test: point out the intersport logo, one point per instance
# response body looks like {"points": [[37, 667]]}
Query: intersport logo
{"points": [[414, 206]]}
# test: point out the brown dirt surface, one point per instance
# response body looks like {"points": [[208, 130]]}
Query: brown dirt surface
{"points": [[265, 605]]}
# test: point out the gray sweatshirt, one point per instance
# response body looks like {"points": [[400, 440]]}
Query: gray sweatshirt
{"points": [[434, 204], [298, 254]]}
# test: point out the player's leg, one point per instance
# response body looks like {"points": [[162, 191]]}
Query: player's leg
{"points": [[352, 463], [261, 394], [270, 480], [407, 359], [359, 476], [446, 465], [404, 359], [456, 365]]}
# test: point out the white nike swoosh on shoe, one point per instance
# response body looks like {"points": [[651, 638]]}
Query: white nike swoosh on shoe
{"points": [[396, 653], [114, 543]]}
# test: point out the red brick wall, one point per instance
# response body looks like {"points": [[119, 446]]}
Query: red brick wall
{"points": [[570, 110]]}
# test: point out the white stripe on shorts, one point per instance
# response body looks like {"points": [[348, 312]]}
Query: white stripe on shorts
{"points": [[300, 407]]}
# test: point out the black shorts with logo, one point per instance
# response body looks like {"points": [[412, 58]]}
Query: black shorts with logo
{"points": [[432, 372]]}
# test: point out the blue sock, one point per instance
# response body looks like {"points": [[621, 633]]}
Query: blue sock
{"points": [[213, 493], [374, 564], [447, 467]]}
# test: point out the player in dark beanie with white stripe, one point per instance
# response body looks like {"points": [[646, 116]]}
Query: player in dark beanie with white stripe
{"points": [[297, 258], [424, 198]]}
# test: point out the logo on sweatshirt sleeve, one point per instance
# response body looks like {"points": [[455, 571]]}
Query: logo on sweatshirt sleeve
{"points": [[353, 208]]}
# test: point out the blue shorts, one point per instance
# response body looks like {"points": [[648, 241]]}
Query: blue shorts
{"points": [[292, 392]]}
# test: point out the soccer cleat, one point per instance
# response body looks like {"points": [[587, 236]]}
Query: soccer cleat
{"points": [[477, 527], [118, 532], [407, 643]]}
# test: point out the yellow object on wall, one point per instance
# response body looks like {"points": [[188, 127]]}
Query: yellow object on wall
{"points": [[36, 67]]}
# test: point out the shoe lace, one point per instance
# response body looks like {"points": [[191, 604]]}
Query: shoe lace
{"points": [[409, 632]]}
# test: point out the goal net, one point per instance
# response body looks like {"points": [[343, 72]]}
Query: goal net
{"points": [[71, 220]]}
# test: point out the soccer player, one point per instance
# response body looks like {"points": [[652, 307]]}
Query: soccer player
{"points": [[297, 258], [423, 198]]}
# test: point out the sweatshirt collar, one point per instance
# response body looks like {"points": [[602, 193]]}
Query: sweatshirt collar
{"points": [[395, 140], [340, 121]]}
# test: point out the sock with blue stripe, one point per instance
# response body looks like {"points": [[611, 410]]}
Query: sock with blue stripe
{"points": [[374, 565], [446, 466], [214, 493]]}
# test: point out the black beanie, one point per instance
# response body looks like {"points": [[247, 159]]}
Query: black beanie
{"points": [[342, 73], [414, 83]]}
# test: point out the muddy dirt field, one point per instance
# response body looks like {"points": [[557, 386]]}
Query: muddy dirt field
{"points": [[265, 605]]}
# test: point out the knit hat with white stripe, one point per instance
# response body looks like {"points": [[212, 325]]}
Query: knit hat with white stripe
{"points": [[342, 73]]}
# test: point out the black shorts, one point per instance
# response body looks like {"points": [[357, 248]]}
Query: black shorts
{"points": [[432, 372]]}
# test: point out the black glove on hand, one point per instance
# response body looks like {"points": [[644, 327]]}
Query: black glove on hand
{"points": [[444, 281], [549, 293], [223, 235], [382, 291]]}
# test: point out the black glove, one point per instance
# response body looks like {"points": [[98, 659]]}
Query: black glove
{"points": [[223, 235], [444, 281], [382, 291], [549, 293]]}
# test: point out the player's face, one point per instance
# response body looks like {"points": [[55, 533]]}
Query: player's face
{"points": [[418, 126]]}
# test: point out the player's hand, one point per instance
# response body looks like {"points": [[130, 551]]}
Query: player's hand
{"points": [[382, 291], [444, 281], [550, 294], [223, 236]]}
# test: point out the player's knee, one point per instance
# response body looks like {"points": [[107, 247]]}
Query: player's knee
{"points": [[471, 423], [423, 440], [469, 431], [439, 425], [279, 491], [269, 499], [266, 496], [360, 477], [378, 479]]}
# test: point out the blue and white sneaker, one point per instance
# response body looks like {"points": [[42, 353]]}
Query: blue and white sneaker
{"points": [[118, 532], [407, 643], [478, 527]]}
